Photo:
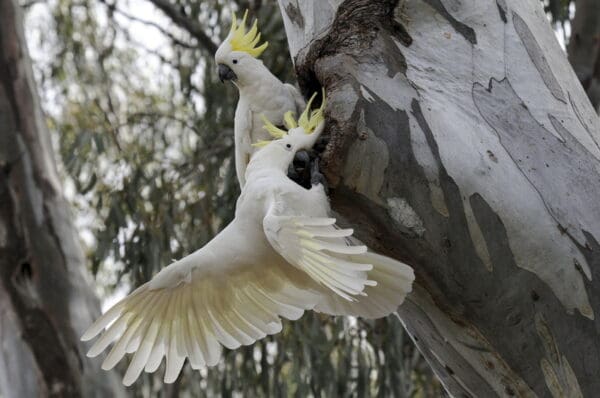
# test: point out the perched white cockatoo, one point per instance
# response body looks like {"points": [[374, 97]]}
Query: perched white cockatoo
{"points": [[281, 255], [261, 93]]}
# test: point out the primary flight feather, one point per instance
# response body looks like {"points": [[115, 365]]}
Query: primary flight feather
{"points": [[281, 255], [261, 93]]}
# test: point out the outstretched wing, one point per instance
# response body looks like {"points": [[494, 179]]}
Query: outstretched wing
{"points": [[318, 247], [189, 311], [394, 281]]}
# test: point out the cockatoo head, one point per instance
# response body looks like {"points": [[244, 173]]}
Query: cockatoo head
{"points": [[301, 134], [237, 57]]}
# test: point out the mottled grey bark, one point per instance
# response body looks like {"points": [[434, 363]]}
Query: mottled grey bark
{"points": [[45, 301], [463, 144], [584, 47]]}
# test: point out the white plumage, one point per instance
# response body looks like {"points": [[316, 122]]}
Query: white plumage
{"points": [[261, 93], [280, 256], [267, 96]]}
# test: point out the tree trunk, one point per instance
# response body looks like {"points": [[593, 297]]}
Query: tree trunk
{"points": [[45, 301], [463, 144], [584, 47]]}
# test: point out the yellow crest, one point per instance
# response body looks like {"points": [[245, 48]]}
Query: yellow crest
{"points": [[261, 143], [241, 40], [275, 131], [290, 120], [309, 120]]}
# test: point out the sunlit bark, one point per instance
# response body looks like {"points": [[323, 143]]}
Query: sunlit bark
{"points": [[463, 144]]}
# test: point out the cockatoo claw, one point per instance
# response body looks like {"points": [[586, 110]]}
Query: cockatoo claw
{"points": [[316, 177]]}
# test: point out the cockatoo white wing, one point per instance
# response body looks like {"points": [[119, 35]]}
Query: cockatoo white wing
{"points": [[243, 141], [196, 305], [394, 281], [318, 247], [297, 96]]}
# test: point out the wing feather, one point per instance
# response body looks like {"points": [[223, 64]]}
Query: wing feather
{"points": [[248, 327], [113, 332], [394, 281], [194, 332], [158, 351], [238, 334], [112, 314], [191, 309], [273, 304], [136, 339], [119, 350], [174, 359], [211, 350], [272, 323], [318, 247], [223, 335], [141, 356], [160, 346]]}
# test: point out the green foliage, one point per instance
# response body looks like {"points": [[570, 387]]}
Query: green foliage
{"points": [[150, 158]]}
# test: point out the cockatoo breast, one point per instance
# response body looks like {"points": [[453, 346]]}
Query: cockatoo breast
{"points": [[271, 103]]}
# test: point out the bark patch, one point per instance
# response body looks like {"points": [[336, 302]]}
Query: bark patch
{"points": [[401, 211], [547, 162], [502, 10], [585, 125], [295, 15], [367, 176], [538, 58], [559, 375], [516, 321], [464, 30]]}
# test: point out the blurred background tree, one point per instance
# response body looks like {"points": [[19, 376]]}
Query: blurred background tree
{"points": [[584, 44], [577, 23], [144, 129]]}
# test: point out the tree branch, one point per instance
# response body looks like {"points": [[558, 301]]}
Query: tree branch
{"points": [[156, 26], [193, 27]]}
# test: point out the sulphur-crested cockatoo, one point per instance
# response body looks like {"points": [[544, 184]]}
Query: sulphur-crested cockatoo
{"points": [[281, 255], [261, 93]]}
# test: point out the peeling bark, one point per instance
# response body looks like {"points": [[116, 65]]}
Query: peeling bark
{"points": [[463, 144], [45, 301]]}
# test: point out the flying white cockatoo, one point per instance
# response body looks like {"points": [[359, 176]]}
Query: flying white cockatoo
{"points": [[261, 93], [281, 255]]}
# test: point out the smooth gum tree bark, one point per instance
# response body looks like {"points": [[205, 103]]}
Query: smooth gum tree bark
{"points": [[45, 300], [463, 144]]}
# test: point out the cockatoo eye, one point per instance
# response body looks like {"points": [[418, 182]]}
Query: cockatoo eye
{"points": [[288, 146], [235, 61]]}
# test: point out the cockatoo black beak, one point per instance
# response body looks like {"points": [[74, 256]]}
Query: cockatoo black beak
{"points": [[225, 73]]}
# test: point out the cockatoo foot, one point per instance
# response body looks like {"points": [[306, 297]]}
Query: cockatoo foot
{"points": [[316, 177]]}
